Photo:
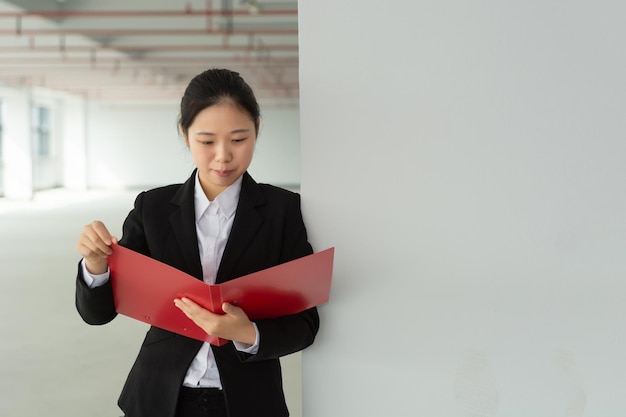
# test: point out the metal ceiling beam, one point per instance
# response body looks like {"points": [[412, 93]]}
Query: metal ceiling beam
{"points": [[53, 14], [150, 48], [147, 32], [144, 53]]}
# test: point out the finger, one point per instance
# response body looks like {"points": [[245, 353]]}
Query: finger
{"points": [[180, 304], [90, 249], [234, 311], [87, 250], [189, 307], [102, 232], [231, 309], [184, 308], [96, 239], [190, 303]]}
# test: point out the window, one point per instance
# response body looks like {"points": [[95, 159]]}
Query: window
{"points": [[41, 132]]}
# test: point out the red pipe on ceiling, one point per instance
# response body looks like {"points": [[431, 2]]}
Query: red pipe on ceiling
{"points": [[148, 48], [98, 64], [146, 32], [50, 14]]}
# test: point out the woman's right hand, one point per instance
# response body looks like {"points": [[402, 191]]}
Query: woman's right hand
{"points": [[94, 244]]}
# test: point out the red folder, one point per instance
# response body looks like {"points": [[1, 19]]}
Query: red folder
{"points": [[145, 289]]}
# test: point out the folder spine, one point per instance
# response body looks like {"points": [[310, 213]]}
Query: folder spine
{"points": [[216, 299]]}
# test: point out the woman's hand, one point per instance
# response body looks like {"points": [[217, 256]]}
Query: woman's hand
{"points": [[94, 244], [232, 325]]}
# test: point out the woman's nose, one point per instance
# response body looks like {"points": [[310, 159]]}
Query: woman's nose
{"points": [[222, 153]]}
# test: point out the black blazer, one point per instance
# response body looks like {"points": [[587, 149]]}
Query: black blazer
{"points": [[267, 230]]}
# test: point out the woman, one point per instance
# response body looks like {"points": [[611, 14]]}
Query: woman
{"points": [[219, 225]]}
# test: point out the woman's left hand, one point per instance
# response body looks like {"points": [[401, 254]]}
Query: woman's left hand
{"points": [[232, 325]]}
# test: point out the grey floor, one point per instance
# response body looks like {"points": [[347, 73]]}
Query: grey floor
{"points": [[51, 363]]}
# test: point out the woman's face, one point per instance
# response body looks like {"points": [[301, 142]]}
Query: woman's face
{"points": [[221, 140]]}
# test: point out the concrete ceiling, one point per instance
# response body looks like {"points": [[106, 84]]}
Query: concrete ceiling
{"points": [[147, 49]]}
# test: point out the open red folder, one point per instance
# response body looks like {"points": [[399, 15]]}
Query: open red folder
{"points": [[144, 289]]}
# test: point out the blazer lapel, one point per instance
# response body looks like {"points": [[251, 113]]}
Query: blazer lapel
{"points": [[183, 221], [245, 226]]}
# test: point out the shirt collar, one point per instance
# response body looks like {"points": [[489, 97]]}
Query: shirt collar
{"points": [[226, 201]]}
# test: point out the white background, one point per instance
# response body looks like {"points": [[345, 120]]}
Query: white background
{"points": [[467, 160], [122, 137]]}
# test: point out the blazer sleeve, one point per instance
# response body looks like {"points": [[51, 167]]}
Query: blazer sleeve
{"points": [[96, 305], [288, 334]]}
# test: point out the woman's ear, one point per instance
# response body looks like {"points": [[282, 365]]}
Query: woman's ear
{"points": [[184, 134]]}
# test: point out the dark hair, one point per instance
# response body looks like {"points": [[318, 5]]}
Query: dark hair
{"points": [[213, 87]]}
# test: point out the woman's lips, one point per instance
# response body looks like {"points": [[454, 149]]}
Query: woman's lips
{"points": [[222, 173]]}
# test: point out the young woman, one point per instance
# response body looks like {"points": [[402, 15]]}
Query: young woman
{"points": [[219, 225]]}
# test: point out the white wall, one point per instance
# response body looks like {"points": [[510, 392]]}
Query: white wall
{"points": [[21, 172], [74, 151], [467, 160], [277, 155], [17, 163], [137, 145], [134, 145]]}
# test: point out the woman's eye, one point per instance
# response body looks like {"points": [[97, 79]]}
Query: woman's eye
{"points": [[207, 142], [239, 140]]}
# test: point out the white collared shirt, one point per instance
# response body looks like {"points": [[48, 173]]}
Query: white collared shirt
{"points": [[214, 221]]}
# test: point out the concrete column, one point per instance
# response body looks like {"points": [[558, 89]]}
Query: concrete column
{"points": [[74, 138], [17, 164]]}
